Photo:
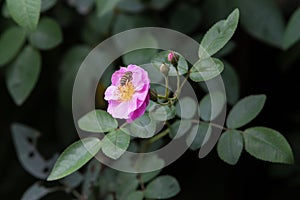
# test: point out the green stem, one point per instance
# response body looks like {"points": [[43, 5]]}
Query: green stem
{"points": [[159, 136], [167, 86], [212, 124]]}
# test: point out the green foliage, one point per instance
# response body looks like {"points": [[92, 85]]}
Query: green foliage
{"points": [[47, 35], [115, 143], [253, 18], [146, 177], [23, 74], [25, 12], [139, 57], [245, 111], [131, 6], [36, 191], [218, 35], [291, 33], [11, 42], [267, 144], [231, 83], [163, 187], [230, 146], [172, 116], [25, 139], [186, 108], [206, 69], [90, 177], [198, 136], [97, 121], [179, 128], [143, 127], [104, 6], [162, 113], [206, 106], [74, 157], [137, 195], [47, 4]]}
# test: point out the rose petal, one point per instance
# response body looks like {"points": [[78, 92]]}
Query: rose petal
{"points": [[116, 77], [138, 112], [119, 109], [111, 93]]}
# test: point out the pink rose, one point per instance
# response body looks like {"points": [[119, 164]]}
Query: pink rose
{"points": [[128, 95]]}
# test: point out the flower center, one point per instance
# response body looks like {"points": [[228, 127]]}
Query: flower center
{"points": [[126, 91]]}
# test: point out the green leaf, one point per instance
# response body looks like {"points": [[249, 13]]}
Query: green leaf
{"points": [[145, 177], [230, 146], [291, 33], [23, 74], [186, 107], [143, 127], [149, 163], [206, 105], [97, 121], [218, 35], [11, 42], [231, 83], [245, 111], [206, 69], [115, 143], [136, 195], [262, 19], [162, 113], [163, 187], [47, 4], [198, 136], [267, 144], [179, 128], [36, 191], [104, 6], [162, 57], [139, 57], [47, 35], [131, 6], [74, 157], [25, 12], [127, 183]]}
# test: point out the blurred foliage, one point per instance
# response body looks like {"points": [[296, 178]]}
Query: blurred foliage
{"points": [[43, 43]]}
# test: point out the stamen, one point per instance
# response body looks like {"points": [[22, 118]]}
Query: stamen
{"points": [[126, 91]]}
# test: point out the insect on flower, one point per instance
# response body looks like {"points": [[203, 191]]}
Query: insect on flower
{"points": [[128, 95], [126, 78]]}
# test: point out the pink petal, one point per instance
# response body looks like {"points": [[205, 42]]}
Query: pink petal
{"points": [[111, 93], [118, 109], [116, 77], [139, 112]]}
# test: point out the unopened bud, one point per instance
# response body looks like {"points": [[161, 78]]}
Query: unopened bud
{"points": [[173, 58], [164, 69], [153, 95]]}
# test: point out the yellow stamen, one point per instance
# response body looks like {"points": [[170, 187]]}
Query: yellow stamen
{"points": [[126, 91]]}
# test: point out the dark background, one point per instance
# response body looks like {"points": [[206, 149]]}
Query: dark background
{"points": [[262, 69]]}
